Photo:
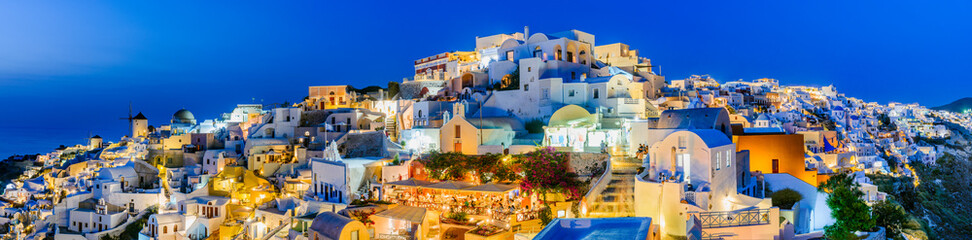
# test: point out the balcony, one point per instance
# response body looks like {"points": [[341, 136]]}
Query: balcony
{"points": [[734, 218]]}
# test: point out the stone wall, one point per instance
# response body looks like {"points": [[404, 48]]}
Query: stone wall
{"points": [[368, 144], [410, 90], [581, 163]]}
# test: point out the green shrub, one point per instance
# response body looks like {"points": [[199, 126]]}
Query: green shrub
{"points": [[458, 216], [785, 198], [534, 126], [889, 215]]}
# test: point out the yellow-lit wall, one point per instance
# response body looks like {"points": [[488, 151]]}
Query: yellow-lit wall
{"points": [[139, 127], [322, 95], [469, 136], [788, 148], [354, 226]]}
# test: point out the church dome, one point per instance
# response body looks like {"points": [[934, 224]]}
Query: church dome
{"points": [[183, 116]]}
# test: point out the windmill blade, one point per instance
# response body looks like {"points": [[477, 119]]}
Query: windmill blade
{"points": [[130, 116]]}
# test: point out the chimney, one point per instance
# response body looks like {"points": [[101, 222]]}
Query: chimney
{"points": [[526, 32]]}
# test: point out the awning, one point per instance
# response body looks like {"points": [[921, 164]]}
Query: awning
{"points": [[449, 185], [491, 187], [402, 212], [411, 182]]}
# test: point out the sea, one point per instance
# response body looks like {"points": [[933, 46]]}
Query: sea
{"points": [[27, 140]]}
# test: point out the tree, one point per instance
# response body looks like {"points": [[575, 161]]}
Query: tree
{"points": [[891, 216], [393, 89], [848, 209], [786, 198], [534, 126], [509, 81], [457, 166]]}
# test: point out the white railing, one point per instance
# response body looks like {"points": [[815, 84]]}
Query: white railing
{"points": [[389, 236], [274, 231], [599, 186], [690, 197], [733, 218]]}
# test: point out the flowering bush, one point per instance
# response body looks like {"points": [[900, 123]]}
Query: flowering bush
{"points": [[546, 171], [364, 216]]}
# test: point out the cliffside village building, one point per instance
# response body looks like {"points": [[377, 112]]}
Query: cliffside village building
{"points": [[685, 158]]}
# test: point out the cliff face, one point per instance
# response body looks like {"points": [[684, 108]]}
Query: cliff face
{"points": [[940, 201]]}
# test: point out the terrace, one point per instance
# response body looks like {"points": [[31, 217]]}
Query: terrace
{"points": [[495, 202]]}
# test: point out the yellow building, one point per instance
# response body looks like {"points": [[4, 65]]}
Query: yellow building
{"points": [[328, 97], [459, 134], [243, 186], [776, 153]]}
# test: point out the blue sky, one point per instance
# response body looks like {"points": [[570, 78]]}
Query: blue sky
{"points": [[70, 67]]}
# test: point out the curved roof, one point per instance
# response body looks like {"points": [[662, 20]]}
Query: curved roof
{"points": [[571, 114], [509, 43], [183, 116], [539, 37], [695, 118], [330, 224], [712, 138], [115, 173]]}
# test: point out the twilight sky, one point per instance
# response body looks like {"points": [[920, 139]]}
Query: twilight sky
{"points": [[70, 67]]}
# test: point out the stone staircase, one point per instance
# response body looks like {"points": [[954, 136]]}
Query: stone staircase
{"points": [[391, 126], [617, 198]]}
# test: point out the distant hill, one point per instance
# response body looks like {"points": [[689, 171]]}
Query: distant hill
{"points": [[958, 106]]}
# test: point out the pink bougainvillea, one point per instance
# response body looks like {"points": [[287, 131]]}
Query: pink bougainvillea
{"points": [[546, 171]]}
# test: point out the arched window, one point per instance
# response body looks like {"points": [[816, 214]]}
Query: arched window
{"points": [[165, 229], [175, 228], [537, 52]]}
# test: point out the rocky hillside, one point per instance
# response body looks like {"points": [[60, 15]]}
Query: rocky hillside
{"points": [[939, 200], [958, 106]]}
